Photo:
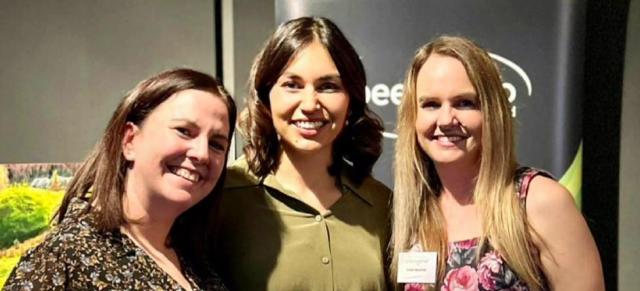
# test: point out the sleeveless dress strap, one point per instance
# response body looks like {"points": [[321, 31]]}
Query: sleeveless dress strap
{"points": [[524, 176]]}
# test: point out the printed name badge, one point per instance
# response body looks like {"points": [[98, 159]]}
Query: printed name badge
{"points": [[417, 267]]}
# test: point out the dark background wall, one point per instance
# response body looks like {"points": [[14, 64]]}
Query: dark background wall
{"points": [[610, 128], [629, 216], [246, 26], [607, 28], [66, 64]]}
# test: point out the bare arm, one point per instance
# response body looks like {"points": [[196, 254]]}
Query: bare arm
{"points": [[568, 252]]}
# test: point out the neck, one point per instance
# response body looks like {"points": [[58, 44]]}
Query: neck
{"points": [[147, 223], [301, 172], [148, 236], [458, 181]]}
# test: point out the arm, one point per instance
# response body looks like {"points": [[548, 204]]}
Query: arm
{"points": [[568, 253], [38, 269]]}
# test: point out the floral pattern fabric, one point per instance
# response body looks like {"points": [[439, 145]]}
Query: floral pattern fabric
{"points": [[489, 273], [77, 256], [465, 273]]}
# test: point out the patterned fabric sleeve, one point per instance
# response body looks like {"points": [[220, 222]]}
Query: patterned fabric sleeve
{"points": [[524, 176], [39, 269]]}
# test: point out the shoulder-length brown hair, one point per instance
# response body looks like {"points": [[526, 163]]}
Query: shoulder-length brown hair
{"points": [[417, 217], [357, 147], [101, 177]]}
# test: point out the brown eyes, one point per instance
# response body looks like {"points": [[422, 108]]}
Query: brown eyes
{"points": [[291, 85], [214, 144], [217, 146], [329, 87], [185, 132], [324, 87]]}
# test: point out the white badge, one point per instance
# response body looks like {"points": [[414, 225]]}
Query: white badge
{"points": [[417, 267]]}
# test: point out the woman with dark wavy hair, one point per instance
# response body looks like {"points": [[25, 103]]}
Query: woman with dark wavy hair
{"points": [[134, 215], [299, 210]]}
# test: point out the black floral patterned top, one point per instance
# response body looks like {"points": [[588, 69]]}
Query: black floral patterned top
{"points": [[77, 256]]}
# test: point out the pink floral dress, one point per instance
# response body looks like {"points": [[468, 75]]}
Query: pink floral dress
{"points": [[463, 272]]}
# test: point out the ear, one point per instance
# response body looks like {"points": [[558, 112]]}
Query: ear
{"points": [[130, 132]]}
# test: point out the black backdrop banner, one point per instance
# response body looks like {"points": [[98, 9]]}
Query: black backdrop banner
{"points": [[539, 46]]}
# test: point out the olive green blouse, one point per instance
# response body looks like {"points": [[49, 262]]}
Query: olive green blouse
{"points": [[269, 239]]}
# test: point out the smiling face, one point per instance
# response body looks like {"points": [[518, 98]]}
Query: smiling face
{"points": [[449, 120], [308, 101], [179, 150]]}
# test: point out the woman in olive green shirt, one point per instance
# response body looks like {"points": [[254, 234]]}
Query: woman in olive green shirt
{"points": [[300, 210]]}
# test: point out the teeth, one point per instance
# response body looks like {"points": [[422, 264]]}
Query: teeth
{"points": [[187, 174], [309, 124]]}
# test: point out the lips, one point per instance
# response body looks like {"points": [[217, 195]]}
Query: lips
{"points": [[187, 174]]}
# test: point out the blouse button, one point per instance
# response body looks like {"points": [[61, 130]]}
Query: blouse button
{"points": [[325, 260], [318, 218]]}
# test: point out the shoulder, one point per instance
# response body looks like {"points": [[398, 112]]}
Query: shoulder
{"points": [[371, 189], [242, 189], [72, 237], [239, 176], [547, 204], [48, 263], [561, 235], [370, 184], [547, 198]]}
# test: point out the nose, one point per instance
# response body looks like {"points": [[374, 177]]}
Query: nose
{"points": [[309, 100], [447, 116], [199, 150]]}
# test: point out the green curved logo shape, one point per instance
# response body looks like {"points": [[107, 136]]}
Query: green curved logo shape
{"points": [[572, 178]]}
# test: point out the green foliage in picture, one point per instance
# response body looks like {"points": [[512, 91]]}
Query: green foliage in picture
{"points": [[25, 212], [4, 177]]}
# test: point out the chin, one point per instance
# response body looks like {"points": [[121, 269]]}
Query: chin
{"points": [[454, 160], [307, 146], [445, 158], [183, 199]]}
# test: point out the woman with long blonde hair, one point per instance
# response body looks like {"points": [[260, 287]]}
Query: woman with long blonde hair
{"points": [[459, 191]]}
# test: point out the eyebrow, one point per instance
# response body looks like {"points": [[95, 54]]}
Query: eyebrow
{"points": [[329, 77]]}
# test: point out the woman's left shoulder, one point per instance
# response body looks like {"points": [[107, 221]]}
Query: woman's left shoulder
{"points": [[372, 185], [561, 235], [553, 214], [546, 196], [374, 190]]}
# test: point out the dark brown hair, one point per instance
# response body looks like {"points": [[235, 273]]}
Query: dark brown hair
{"points": [[101, 177], [357, 147]]}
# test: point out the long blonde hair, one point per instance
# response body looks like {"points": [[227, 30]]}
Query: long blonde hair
{"points": [[417, 217]]}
